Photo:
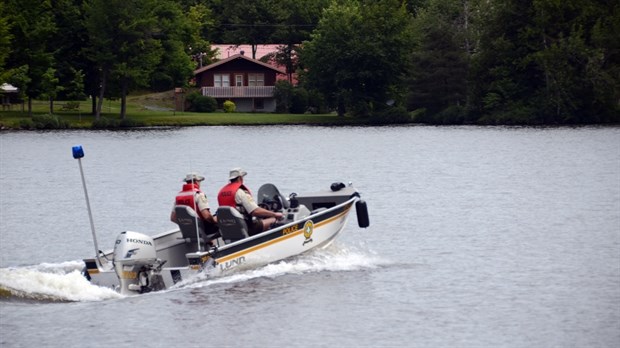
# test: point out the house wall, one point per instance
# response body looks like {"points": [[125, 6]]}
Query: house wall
{"points": [[247, 105], [237, 66]]}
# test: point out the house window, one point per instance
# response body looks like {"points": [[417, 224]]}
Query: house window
{"points": [[239, 80], [256, 79], [259, 104], [221, 80]]}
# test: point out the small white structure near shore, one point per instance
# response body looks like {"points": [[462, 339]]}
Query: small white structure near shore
{"points": [[5, 91]]}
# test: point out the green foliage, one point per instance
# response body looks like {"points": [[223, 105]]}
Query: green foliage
{"points": [[317, 103], [129, 123], [44, 122], [140, 31], [229, 106], [391, 115], [453, 61], [75, 86], [49, 84], [32, 27], [5, 39], [440, 58], [547, 62], [250, 21], [71, 105], [290, 99], [26, 123], [299, 101], [191, 96], [283, 93], [517, 113], [105, 123], [359, 52], [199, 103], [203, 103]]}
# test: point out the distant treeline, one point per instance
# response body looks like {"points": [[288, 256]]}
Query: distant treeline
{"points": [[433, 61]]}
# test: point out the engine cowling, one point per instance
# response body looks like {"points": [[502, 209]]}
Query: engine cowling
{"points": [[136, 263], [134, 248]]}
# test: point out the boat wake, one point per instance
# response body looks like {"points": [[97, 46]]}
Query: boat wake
{"points": [[335, 258], [61, 282]]}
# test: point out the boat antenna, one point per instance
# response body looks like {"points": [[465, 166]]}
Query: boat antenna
{"points": [[197, 216], [78, 153], [195, 207]]}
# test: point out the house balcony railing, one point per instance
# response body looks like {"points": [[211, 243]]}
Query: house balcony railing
{"points": [[239, 92]]}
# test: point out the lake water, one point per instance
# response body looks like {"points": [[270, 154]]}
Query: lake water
{"points": [[479, 237]]}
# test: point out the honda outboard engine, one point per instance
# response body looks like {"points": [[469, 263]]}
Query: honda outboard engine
{"points": [[136, 263]]}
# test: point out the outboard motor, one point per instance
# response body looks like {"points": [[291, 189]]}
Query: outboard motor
{"points": [[136, 263]]}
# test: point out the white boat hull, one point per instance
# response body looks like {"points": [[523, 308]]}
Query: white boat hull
{"points": [[182, 260]]}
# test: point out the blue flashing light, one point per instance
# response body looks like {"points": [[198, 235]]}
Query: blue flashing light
{"points": [[78, 152]]}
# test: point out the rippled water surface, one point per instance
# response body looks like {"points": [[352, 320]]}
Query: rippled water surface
{"points": [[479, 237]]}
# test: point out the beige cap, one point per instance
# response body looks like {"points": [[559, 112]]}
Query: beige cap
{"points": [[236, 172], [193, 176]]}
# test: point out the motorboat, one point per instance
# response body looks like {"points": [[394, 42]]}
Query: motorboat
{"points": [[141, 263]]}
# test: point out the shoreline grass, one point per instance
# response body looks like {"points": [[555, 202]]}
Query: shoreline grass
{"points": [[146, 111]]}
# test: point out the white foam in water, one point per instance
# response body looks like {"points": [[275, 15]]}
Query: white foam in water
{"points": [[64, 281], [335, 258], [53, 282]]}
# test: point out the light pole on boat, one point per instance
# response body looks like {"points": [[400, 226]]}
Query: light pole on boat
{"points": [[78, 153]]}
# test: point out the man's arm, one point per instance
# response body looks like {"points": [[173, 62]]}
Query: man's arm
{"points": [[206, 215]]}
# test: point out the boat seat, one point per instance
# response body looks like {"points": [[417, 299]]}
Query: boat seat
{"points": [[186, 219], [232, 224]]}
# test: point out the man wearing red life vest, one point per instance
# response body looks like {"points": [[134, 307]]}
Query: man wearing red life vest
{"points": [[191, 196], [236, 195]]}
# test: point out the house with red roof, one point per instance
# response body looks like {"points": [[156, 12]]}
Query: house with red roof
{"points": [[248, 82]]}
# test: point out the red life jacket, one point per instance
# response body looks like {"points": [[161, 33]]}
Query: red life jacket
{"points": [[226, 197], [186, 197]]}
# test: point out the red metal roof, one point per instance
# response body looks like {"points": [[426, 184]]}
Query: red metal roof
{"points": [[237, 56]]}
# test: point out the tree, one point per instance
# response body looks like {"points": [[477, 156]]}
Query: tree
{"points": [[32, 26], [441, 58], [252, 22], [578, 40], [300, 18], [128, 39], [202, 23], [49, 87], [358, 55], [176, 33], [102, 25], [72, 68], [545, 62], [5, 40]]}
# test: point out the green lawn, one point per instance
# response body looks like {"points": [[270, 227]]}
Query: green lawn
{"points": [[147, 112]]}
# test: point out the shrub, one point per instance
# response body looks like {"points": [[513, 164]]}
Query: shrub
{"points": [[203, 103], [299, 101], [49, 122], [394, 114], [191, 96], [104, 123], [283, 93], [26, 124], [453, 114], [71, 105], [229, 106], [361, 109], [128, 123], [317, 103]]}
